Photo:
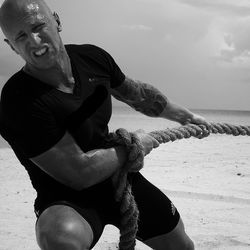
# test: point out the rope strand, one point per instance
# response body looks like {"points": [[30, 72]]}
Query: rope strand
{"points": [[123, 189]]}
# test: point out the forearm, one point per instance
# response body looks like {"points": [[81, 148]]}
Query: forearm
{"points": [[99, 165], [176, 113], [152, 102], [148, 100], [157, 105], [142, 97]]}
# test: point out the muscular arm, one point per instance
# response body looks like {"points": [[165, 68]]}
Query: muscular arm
{"points": [[68, 164], [142, 97], [150, 101]]}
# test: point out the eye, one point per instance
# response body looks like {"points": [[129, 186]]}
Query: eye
{"points": [[20, 37], [39, 27]]}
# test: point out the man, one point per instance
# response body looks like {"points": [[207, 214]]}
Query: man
{"points": [[66, 161]]}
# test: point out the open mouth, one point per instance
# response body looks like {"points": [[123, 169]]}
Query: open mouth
{"points": [[40, 52]]}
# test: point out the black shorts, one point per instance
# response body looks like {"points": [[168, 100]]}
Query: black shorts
{"points": [[158, 215]]}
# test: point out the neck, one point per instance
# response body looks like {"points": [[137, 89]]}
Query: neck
{"points": [[59, 76]]}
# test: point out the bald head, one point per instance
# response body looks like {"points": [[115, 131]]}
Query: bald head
{"points": [[13, 9], [32, 31]]}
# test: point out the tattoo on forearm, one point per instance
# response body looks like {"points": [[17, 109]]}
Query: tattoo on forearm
{"points": [[142, 97]]}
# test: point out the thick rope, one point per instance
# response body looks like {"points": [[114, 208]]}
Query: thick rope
{"points": [[123, 189]]}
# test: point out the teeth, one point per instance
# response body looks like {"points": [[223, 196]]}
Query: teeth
{"points": [[40, 52]]}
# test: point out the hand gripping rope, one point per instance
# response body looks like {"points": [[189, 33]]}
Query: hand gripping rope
{"points": [[123, 194]]}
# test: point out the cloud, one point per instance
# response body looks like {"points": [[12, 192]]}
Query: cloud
{"points": [[236, 39], [137, 27], [238, 8], [228, 34]]}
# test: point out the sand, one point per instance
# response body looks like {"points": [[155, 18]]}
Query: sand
{"points": [[208, 180]]}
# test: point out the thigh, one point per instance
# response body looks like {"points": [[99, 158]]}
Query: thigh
{"points": [[85, 223], [158, 215]]}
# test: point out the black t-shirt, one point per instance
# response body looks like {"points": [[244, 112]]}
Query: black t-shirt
{"points": [[34, 116]]}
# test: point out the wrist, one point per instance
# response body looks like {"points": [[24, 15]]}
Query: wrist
{"points": [[121, 154], [188, 118]]}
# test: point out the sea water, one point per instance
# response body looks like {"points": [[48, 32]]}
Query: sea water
{"points": [[126, 117]]}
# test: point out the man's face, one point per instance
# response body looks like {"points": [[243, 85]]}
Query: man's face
{"points": [[33, 33]]}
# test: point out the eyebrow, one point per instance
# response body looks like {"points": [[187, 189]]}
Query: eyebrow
{"points": [[34, 26], [19, 34]]}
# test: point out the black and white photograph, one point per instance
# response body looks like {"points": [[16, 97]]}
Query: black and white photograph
{"points": [[124, 125]]}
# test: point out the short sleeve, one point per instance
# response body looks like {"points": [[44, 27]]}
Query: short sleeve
{"points": [[117, 76], [103, 58], [29, 127]]}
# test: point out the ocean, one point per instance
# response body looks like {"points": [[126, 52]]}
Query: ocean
{"points": [[126, 117]]}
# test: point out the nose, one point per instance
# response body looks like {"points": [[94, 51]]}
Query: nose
{"points": [[35, 39]]}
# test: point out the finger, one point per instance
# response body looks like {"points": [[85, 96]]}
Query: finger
{"points": [[210, 129], [186, 122], [207, 125], [156, 144]]}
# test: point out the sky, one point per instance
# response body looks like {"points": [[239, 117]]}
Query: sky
{"points": [[197, 52]]}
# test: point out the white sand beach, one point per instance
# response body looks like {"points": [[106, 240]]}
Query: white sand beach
{"points": [[208, 180]]}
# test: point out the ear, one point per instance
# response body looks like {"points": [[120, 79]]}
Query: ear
{"points": [[11, 46], [59, 27]]}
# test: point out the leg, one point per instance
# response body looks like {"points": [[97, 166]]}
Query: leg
{"points": [[175, 240], [160, 225], [62, 227]]}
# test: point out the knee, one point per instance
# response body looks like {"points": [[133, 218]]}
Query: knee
{"points": [[64, 234]]}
